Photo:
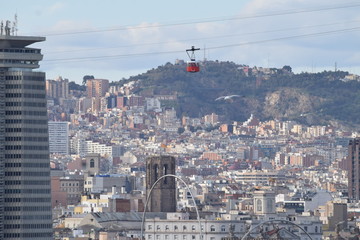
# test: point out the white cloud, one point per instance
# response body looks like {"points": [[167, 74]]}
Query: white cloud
{"points": [[242, 36], [55, 7]]}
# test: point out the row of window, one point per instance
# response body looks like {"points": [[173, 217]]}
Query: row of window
{"points": [[14, 147], [27, 217], [26, 113], [12, 199], [12, 174], [70, 184], [36, 182], [13, 61], [176, 237], [184, 228], [28, 130], [28, 235], [12, 164], [25, 95], [37, 200], [15, 182], [25, 147], [18, 182], [36, 165], [43, 174], [26, 104], [29, 78], [37, 217], [25, 86], [9, 174], [29, 121], [28, 139], [37, 208], [11, 235], [37, 235], [29, 156], [28, 209], [21, 50], [12, 217], [27, 226]]}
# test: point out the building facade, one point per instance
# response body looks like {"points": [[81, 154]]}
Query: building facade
{"points": [[58, 88], [97, 87], [163, 196], [183, 228], [25, 198], [59, 137], [354, 169]]}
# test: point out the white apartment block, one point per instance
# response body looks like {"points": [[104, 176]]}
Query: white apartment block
{"points": [[59, 137], [82, 147], [178, 226]]}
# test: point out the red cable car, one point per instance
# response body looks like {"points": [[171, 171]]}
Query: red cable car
{"points": [[192, 65]]}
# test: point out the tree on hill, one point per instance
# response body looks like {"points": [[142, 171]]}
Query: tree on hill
{"points": [[87, 77], [75, 86], [330, 98]]}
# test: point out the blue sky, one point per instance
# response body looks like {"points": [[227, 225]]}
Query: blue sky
{"points": [[116, 39]]}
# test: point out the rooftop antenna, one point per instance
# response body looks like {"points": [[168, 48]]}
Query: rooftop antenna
{"points": [[14, 27]]}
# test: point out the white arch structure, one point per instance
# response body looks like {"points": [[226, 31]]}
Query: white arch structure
{"points": [[275, 220], [148, 198]]}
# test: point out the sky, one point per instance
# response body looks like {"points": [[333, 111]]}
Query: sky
{"points": [[116, 39]]}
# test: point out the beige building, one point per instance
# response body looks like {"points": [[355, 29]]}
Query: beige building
{"points": [[58, 88], [332, 214], [97, 87]]}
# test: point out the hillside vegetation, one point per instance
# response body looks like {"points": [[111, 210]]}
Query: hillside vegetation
{"points": [[317, 98]]}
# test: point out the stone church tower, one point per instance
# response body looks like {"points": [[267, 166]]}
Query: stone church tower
{"points": [[264, 202], [163, 196]]}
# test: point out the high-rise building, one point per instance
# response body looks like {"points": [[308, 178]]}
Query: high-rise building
{"points": [[58, 88], [59, 137], [354, 169], [97, 87], [96, 90], [25, 198], [163, 195]]}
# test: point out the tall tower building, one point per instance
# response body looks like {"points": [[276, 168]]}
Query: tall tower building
{"points": [[353, 161], [96, 90], [163, 196], [59, 137], [25, 198], [58, 88], [264, 202], [97, 87]]}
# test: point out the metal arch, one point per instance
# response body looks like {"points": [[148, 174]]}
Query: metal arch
{"points": [[275, 220], [148, 198]]}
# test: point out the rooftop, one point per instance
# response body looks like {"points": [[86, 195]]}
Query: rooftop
{"points": [[7, 41]]}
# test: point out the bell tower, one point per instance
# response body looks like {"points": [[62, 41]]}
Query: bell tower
{"points": [[163, 196], [264, 202]]}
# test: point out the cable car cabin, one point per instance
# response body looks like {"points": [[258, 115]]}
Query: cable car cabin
{"points": [[192, 66]]}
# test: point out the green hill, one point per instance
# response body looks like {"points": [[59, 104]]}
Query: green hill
{"points": [[267, 93]]}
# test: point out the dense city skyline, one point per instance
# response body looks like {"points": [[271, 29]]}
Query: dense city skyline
{"points": [[120, 161]]}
